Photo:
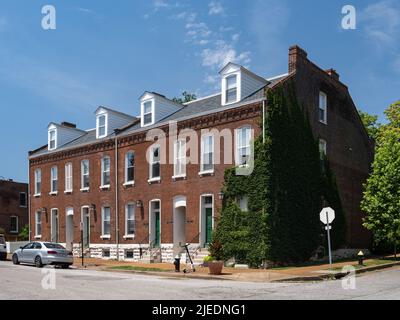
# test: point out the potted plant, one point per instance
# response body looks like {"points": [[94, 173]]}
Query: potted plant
{"points": [[214, 260]]}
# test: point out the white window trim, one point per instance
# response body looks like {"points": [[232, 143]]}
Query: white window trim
{"points": [[202, 208], [154, 179], [150, 219], [26, 200], [237, 132], [325, 120], [98, 125], [38, 236], [129, 182], [238, 87], [179, 175], [38, 174], [202, 149], [83, 175], [130, 235], [52, 176], [105, 236], [17, 230], [105, 186], [143, 114], [55, 139], [69, 178]]}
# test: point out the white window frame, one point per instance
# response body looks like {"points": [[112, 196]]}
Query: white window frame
{"points": [[240, 200], [103, 172], [105, 236], [236, 87], [224, 87], [202, 208], [38, 222], [205, 138], [127, 167], [127, 234], [26, 200], [38, 182], [143, 113], [16, 224], [54, 178], [105, 115], [69, 177], [152, 162], [50, 147], [321, 107], [83, 174], [237, 146], [180, 158]]}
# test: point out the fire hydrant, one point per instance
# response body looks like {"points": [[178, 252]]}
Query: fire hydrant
{"points": [[361, 258], [177, 263]]}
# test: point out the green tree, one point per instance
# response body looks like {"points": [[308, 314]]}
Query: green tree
{"points": [[186, 97], [382, 189], [371, 123], [24, 234]]}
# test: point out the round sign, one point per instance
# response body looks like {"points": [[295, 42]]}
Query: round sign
{"points": [[327, 215]]}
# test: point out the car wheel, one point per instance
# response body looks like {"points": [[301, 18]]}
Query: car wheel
{"points": [[38, 262], [65, 266], [15, 259]]}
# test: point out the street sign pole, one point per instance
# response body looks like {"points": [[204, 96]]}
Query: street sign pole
{"points": [[327, 215], [81, 225], [329, 240]]}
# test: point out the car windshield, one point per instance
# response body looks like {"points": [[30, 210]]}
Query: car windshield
{"points": [[2, 240], [53, 246]]}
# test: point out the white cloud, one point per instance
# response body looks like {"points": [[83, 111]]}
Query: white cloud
{"points": [[84, 10], [159, 4], [197, 30], [223, 53], [215, 8]]}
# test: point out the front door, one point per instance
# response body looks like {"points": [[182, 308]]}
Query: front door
{"points": [[86, 227], [208, 225], [157, 235]]}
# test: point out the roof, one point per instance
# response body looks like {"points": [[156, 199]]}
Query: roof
{"points": [[121, 114]]}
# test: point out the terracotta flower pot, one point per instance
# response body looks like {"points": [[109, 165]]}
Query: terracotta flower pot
{"points": [[215, 267]]}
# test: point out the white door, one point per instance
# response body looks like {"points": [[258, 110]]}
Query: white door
{"points": [[69, 229]]}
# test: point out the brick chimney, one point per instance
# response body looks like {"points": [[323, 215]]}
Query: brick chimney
{"points": [[333, 74], [297, 56], [68, 124]]}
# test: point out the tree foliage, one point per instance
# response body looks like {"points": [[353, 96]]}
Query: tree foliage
{"points": [[24, 234], [371, 123], [186, 97]]}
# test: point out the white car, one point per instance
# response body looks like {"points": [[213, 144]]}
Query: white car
{"points": [[3, 248]]}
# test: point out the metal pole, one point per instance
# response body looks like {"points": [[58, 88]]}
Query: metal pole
{"points": [[116, 196], [82, 242], [329, 241]]}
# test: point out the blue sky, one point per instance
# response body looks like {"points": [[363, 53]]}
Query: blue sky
{"points": [[109, 52]]}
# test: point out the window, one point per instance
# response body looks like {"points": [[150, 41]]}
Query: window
{"points": [[106, 221], [147, 113], [129, 254], [207, 153], [52, 139], [323, 102], [38, 224], [180, 158], [155, 162], [85, 174], [14, 224], [243, 203], [106, 253], [243, 148], [105, 172], [38, 182], [322, 148], [130, 167], [101, 126], [68, 177], [231, 89], [22, 199], [54, 179], [130, 219]]}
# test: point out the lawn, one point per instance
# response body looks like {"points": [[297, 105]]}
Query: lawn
{"points": [[367, 263], [135, 268]]}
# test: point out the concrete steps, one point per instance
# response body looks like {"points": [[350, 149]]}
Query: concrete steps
{"points": [[152, 256], [198, 257]]}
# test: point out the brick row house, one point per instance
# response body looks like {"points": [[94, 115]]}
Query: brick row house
{"points": [[13, 208], [154, 181]]}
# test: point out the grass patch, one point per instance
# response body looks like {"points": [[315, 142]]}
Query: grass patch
{"points": [[367, 263], [135, 268]]}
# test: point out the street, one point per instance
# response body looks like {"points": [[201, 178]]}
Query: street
{"points": [[26, 282]]}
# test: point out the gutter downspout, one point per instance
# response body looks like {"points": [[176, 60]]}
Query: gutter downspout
{"points": [[263, 118], [116, 197]]}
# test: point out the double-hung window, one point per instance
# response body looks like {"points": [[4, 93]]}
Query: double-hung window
{"points": [[52, 139], [155, 162], [243, 147], [147, 113], [130, 219], [106, 221], [38, 182], [54, 179], [101, 126], [68, 177], [207, 153], [322, 148], [23, 201], [14, 224], [323, 105], [130, 167], [105, 172], [180, 158], [231, 89], [85, 174], [38, 224]]}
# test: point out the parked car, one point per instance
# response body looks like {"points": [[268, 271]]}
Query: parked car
{"points": [[43, 253], [3, 248]]}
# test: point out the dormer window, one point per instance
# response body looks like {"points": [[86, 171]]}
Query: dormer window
{"points": [[101, 126], [147, 113], [52, 139], [231, 95]]}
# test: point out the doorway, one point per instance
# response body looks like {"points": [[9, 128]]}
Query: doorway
{"points": [[54, 226], [155, 223], [85, 219], [179, 225], [206, 219], [69, 229]]}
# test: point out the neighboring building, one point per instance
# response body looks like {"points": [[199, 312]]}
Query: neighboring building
{"points": [[101, 181], [13, 208]]}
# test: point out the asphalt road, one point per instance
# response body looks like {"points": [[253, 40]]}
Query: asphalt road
{"points": [[26, 282]]}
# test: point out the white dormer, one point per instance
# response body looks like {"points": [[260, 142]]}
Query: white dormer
{"points": [[237, 83], [60, 134], [107, 120], [155, 107]]}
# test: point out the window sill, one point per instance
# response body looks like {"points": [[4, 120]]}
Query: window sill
{"points": [[180, 177], [206, 173], [85, 190], [107, 187], [68, 192], [323, 122], [105, 237], [14, 232], [38, 195], [129, 237], [54, 193], [154, 180], [38, 237], [129, 184]]}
